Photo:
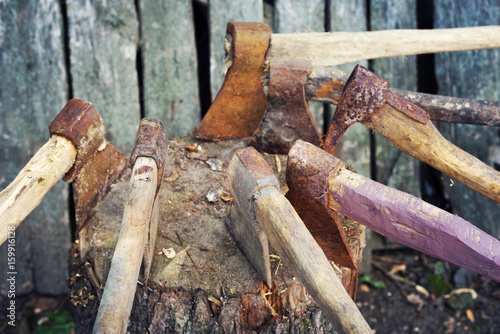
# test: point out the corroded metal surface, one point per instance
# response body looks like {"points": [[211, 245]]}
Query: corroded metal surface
{"points": [[80, 123], [287, 117], [399, 216], [94, 180], [152, 142], [363, 95], [98, 164], [307, 178], [241, 102]]}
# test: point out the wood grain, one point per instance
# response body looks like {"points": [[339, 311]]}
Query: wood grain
{"points": [[290, 237], [329, 49], [474, 74], [425, 143], [27, 190], [414, 223], [121, 284]]}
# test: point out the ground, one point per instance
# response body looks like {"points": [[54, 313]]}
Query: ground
{"points": [[393, 306]]}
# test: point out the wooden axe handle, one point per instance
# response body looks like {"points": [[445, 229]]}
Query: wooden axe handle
{"points": [[329, 49], [25, 193], [118, 296], [414, 223], [289, 236], [425, 143]]}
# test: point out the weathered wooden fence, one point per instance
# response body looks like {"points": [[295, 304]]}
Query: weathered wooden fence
{"points": [[156, 58]]}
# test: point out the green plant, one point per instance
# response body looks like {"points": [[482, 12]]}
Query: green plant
{"points": [[367, 278], [436, 284], [59, 322]]}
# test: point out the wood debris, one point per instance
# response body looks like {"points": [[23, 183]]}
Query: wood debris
{"points": [[172, 177]]}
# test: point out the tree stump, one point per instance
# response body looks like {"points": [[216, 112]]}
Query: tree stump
{"points": [[200, 282]]}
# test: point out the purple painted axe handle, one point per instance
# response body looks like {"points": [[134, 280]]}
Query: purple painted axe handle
{"points": [[403, 217]]}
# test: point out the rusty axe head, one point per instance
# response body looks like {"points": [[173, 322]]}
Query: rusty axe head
{"points": [[287, 117], [363, 95], [249, 172], [98, 164], [241, 102], [151, 142]]}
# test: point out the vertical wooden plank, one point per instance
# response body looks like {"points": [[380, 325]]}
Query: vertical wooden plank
{"points": [[220, 13], [292, 16], [103, 46], [354, 148], [393, 167], [33, 89], [472, 74], [170, 64]]}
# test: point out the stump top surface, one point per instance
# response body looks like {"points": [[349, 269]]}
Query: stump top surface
{"points": [[206, 258]]}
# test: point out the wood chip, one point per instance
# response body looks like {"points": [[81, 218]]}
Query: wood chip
{"points": [[214, 300], [227, 198], [192, 148], [172, 177], [278, 164], [169, 253]]}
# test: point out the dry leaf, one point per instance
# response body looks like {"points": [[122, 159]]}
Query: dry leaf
{"points": [[397, 268], [415, 299], [422, 290], [470, 315], [364, 288]]}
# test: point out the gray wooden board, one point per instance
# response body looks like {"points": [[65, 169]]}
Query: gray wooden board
{"points": [[354, 147], [473, 74], [393, 168], [170, 64], [103, 43], [33, 90], [292, 16], [220, 13]]}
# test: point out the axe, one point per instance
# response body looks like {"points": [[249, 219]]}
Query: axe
{"points": [[262, 215], [367, 99], [76, 150], [135, 245], [390, 212], [240, 104]]}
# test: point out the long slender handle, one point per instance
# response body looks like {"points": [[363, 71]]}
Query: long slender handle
{"points": [[329, 49], [425, 143], [325, 84], [118, 296], [414, 223], [29, 187], [289, 236]]}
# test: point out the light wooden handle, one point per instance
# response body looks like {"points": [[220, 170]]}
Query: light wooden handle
{"points": [[29, 187], [425, 143], [293, 241], [118, 296], [329, 49]]}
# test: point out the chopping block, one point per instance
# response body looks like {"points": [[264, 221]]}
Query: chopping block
{"points": [[199, 277]]}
